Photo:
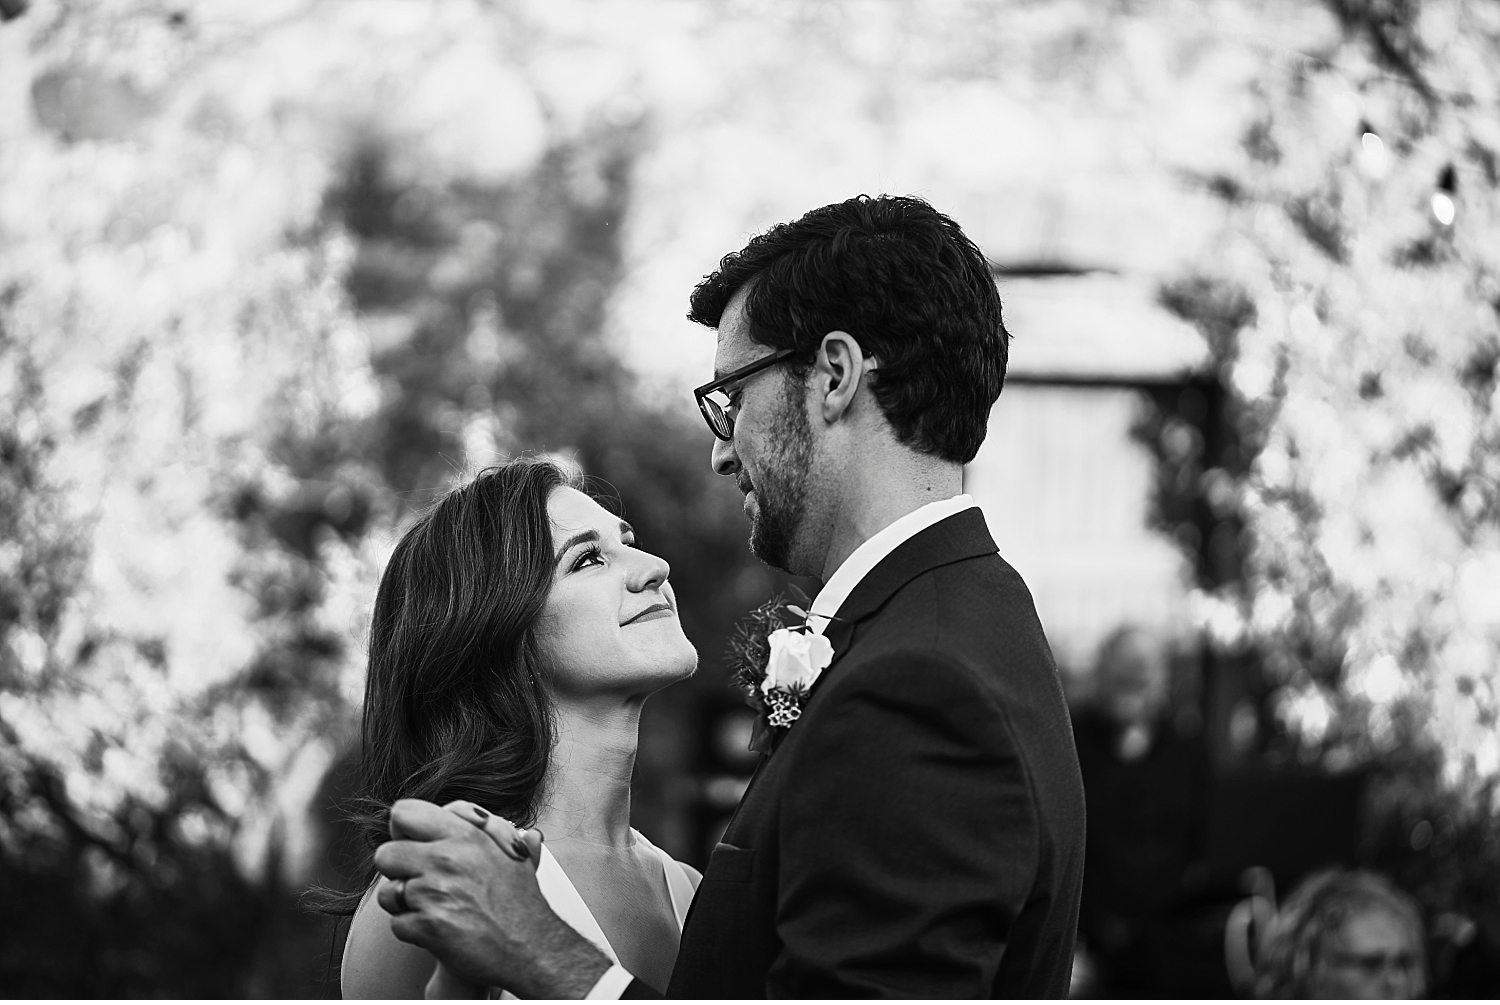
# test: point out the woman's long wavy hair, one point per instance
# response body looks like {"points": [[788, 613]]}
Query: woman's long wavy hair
{"points": [[455, 704]]}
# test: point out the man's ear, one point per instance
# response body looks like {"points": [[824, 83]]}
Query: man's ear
{"points": [[838, 372]]}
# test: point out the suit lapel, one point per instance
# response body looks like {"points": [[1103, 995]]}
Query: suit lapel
{"points": [[960, 536], [948, 540], [954, 539]]}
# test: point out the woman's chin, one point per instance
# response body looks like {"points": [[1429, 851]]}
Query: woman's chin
{"points": [[689, 668], [681, 668], [678, 669], [668, 668]]}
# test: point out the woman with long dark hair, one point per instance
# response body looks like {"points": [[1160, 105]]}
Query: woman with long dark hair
{"points": [[516, 633]]}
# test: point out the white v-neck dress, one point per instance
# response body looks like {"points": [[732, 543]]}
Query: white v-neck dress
{"points": [[567, 903]]}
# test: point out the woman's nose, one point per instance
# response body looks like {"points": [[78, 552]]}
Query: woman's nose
{"points": [[650, 572]]}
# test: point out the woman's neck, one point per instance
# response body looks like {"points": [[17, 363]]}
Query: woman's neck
{"points": [[587, 794]]}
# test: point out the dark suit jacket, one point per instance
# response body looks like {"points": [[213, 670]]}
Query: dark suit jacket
{"points": [[919, 831]]}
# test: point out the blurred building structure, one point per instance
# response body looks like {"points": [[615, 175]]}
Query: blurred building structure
{"points": [[1065, 489], [1070, 487]]}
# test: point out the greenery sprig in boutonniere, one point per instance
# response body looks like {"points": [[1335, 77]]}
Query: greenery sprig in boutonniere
{"points": [[776, 657]]}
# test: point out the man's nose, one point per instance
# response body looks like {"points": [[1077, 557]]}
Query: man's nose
{"points": [[723, 458]]}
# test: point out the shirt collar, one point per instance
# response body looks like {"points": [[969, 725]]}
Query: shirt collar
{"points": [[853, 569]]}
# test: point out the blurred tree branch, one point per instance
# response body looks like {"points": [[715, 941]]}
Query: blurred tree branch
{"points": [[1358, 382]]}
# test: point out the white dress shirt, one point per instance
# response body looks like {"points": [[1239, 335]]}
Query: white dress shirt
{"points": [[852, 571]]}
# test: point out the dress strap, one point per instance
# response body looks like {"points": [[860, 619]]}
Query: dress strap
{"points": [[567, 903], [679, 886]]}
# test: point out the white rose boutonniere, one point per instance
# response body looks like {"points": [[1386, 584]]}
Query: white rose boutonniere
{"points": [[776, 658], [798, 656]]}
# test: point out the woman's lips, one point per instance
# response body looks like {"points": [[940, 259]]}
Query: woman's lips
{"points": [[652, 613]]}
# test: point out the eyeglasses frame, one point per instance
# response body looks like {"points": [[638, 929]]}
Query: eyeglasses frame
{"points": [[712, 410]]}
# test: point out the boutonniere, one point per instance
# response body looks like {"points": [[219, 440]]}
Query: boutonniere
{"points": [[776, 658]]}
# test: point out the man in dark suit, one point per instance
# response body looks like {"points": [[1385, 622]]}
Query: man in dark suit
{"points": [[919, 829]]}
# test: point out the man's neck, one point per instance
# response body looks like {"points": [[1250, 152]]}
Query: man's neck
{"points": [[882, 494]]}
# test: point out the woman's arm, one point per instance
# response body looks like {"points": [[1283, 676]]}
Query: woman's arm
{"points": [[379, 965]]}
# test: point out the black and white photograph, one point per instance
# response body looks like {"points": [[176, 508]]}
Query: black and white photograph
{"points": [[734, 499]]}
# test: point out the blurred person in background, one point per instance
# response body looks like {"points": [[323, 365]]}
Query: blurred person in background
{"points": [[1133, 697], [1344, 934], [1145, 772], [918, 830], [517, 631]]}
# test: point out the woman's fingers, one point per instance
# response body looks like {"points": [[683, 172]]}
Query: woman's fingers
{"points": [[533, 839], [516, 842]]}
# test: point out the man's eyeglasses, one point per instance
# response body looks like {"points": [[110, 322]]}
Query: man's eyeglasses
{"points": [[714, 401]]}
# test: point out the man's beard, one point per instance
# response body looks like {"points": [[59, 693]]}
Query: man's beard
{"points": [[781, 489]]}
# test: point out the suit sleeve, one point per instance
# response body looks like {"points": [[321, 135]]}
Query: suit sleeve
{"points": [[909, 838], [638, 990]]}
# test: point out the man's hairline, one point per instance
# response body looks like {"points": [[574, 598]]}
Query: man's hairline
{"points": [[717, 327]]}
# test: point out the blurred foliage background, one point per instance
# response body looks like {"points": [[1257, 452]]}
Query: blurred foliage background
{"points": [[273, 275]]}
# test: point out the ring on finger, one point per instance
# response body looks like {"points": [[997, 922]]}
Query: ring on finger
{"points": [[400, 895]]}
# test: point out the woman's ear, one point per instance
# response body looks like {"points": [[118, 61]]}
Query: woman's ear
{"points": [[837, 373]]}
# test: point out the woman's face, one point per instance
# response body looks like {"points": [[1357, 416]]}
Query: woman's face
{"points": [[1370, 956], [609, 625]]}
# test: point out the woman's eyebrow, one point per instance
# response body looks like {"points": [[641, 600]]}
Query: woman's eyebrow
{"points": [[574, 541], [589, 535]]}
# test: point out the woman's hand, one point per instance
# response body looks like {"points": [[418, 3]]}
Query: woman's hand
{"points": [[445, 983], [517, 842], [472, 901]]}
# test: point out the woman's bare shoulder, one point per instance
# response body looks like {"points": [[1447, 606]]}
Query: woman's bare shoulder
{"points": [[376, 963]]}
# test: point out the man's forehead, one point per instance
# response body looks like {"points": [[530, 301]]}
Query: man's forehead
{"points": [[735, 347]]}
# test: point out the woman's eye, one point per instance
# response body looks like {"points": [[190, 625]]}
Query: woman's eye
{"points": [[592, 555]]}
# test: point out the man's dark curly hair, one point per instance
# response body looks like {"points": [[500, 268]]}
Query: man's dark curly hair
{"points": [[906, 282]]}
